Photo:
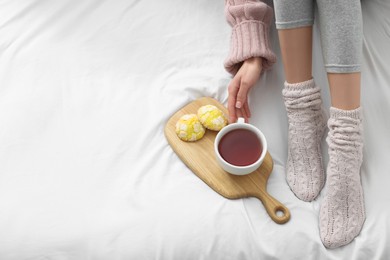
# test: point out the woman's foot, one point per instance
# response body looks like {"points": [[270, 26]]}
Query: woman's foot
{"points": [[342, 212], [306, 125]]}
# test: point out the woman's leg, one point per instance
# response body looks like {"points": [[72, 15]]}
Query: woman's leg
{"points": [[304, 169], [345, 90], [342, 212], [341, 36], [294, 21], [296, 48]]}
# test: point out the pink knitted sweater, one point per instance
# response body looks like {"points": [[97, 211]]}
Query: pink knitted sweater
{"points": [[250, 21]]}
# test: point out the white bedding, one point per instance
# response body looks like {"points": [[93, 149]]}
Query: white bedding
{"points": [[86, 88]]}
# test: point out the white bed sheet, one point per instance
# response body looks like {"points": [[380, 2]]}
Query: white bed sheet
{"points": [[85, 171]]}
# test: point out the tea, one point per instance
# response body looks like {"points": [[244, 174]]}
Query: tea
{"points": [[240, 147]]}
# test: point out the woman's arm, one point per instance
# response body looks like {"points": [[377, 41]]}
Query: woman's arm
{"points": [[250, 20], [250, 51]]}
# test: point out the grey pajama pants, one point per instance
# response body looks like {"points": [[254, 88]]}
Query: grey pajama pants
{"points": [[341, 29]]}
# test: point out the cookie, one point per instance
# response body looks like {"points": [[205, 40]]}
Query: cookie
{"points": [[212, 117], [189, 128]]}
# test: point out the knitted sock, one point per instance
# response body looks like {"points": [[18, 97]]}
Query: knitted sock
{"points": [[342, 212], [305, 172]]}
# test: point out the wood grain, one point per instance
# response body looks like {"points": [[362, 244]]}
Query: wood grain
{"points": [[200, 158]]}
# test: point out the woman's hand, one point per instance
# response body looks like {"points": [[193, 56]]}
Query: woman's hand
{"points": [[239, 87]]}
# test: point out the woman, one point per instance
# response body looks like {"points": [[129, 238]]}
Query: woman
{"points": [[342, 212]]}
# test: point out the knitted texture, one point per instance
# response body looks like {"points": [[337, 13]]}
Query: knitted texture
{"points": [[306, 126], [250, 20], [342, 212]]}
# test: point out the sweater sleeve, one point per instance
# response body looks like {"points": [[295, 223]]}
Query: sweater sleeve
{"points": [[250, 21]]}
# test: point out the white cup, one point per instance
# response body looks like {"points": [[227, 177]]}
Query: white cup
{"points": [[235, 169]]}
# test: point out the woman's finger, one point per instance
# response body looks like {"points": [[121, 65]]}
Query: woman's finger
{"points": [[232, 89], [244, 114], [247, 110], [239, 114], [242, 94]]}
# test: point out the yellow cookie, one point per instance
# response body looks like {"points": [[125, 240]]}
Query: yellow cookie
{"points": [[211, 117], [188, 128]]}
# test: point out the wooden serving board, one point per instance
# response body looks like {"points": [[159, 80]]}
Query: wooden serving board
{"points": [[199, 156]]}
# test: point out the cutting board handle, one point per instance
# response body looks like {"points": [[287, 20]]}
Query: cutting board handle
{"points": [[276, 210]]}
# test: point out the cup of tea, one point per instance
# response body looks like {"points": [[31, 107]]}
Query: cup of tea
{"points": [[240, 147]]}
